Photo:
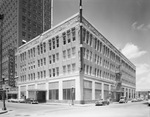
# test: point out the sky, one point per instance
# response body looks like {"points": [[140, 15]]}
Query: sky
{"points": [[125, 23]]}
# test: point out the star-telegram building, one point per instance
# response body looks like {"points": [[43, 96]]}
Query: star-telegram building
{"points": [[56, 67]]}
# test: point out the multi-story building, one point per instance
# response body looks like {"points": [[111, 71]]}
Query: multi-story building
{"points": [[23, 20], [56, 66]]}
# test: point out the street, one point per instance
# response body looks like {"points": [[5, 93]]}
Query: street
{"points": [[135, 109]]}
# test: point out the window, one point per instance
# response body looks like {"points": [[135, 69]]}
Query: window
{"points": [[57, 71], [73, 51], [95, 43], [91, 56], [41, 48], [41, 74], [53, 58], [41, 62], [57, 41], [68, 36], [87, 54], [64, 54], [38, 47], [73, 67], [69, 68], [73, 34], [90, 70], [23, 34], [67, 94], [53, 94], [44, 61], [38, 63], [64, 69], [64, 38], [50, 74], [34, 52], [53, 72], [50, 45], [83, 35], [29, 53], [50, 61], [44, 44], [44, 74], [87, 69], [91, 40], [57, 56], [69, 53], [87, 38], [53, 43]]}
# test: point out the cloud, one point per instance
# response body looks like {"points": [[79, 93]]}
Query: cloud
{"points": [[142, 76], [132, 51], [134, 25], [140, 27], [143, 82], [142, 69]]}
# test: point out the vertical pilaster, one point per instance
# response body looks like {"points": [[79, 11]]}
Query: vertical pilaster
{"points": [[19, 92], [93, 90], [60, 90], [47, 89], [124, 92], [27, 92], [102, 95]]}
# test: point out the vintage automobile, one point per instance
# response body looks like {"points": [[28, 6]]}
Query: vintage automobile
{"points": [[31, 101], [123, 99], [101, 102], [134, 100], [12, 100], [148, 102]]}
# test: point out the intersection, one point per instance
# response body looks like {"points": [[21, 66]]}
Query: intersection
{"points": [[137, 109]]}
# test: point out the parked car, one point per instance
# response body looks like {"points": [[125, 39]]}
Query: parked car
{"points": [[148, 102], [123, 99], [31, 101], [22, 100], [101, 102], [11, 100], [134, 100]]}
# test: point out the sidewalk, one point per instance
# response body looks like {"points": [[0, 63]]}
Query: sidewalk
{"points": [[3, 111]]}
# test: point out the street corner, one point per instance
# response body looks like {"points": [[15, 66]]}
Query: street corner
{"points": [[3, 111]]}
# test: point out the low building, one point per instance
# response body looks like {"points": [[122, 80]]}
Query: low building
{"points": [[61, 65]]}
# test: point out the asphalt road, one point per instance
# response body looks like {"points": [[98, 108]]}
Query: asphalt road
{"points": [[136, 109]]}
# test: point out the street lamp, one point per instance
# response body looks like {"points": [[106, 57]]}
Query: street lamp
{"points": [[72, 95], [4, 105]]}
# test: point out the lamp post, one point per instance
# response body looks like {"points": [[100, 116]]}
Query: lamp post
{"points": [[72, 95], [4, 94]]}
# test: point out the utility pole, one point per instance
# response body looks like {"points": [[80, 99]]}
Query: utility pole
{"points": [[3, 79]]}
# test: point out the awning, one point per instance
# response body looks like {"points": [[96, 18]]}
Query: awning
{"points": [[37, 90], [13, 92]]}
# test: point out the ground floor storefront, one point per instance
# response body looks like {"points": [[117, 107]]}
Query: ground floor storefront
{"points": [[71, 89]]}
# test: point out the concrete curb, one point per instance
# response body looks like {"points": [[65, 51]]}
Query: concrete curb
{"points": [[3, 111]]}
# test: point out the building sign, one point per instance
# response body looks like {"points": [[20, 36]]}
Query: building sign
{"points": [[11, 67]]}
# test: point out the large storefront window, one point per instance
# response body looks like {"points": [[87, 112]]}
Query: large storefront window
{"points": [[98, 92], [68, 94], [53, 91], [69, 90], [87, 90], [106, 91], [54, 94]]}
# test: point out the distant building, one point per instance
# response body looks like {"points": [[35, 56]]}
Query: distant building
{"points": [[57, 67], [23, 20]]}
